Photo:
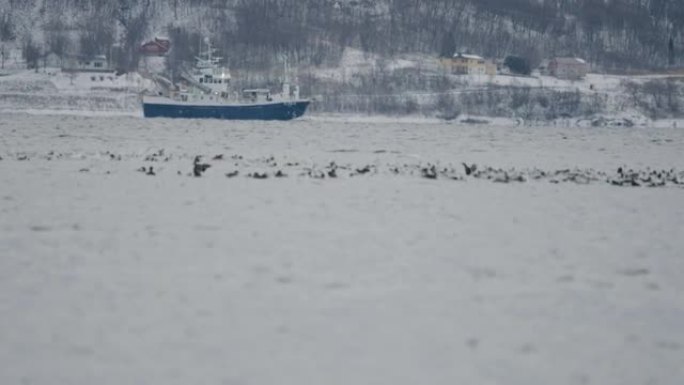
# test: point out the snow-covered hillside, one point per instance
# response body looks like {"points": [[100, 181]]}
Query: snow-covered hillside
{"points": [[612, 34]]}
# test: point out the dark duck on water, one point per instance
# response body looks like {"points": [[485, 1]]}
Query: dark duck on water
{"points": [[199, 168]]}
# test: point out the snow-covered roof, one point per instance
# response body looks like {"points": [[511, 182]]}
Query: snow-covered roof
{"points": [[87, 57], [569, 60], [257, 90], [468, 56]]}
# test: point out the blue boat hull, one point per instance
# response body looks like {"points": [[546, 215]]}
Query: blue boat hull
{"points": [[270, 111]]}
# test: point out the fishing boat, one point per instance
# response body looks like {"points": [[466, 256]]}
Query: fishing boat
{"points": [[206, 94]]}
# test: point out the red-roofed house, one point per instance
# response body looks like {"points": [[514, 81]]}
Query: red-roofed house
{"points": [[156, 47]]}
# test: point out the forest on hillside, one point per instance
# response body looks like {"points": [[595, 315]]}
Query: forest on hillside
{"points": [[258, 34]]}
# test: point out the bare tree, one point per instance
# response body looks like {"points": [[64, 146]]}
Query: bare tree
{"points": [[32, 54], [133, 16], [6, 27]]}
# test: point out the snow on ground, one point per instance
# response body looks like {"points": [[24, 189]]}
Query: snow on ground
{"points": [[358, 62], [92, 81], [52, 89], [592, 83], [53, 79], [111, 276], [355, 62]]}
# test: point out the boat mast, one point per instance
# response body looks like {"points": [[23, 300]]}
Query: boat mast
{"points": [[286, 78]]}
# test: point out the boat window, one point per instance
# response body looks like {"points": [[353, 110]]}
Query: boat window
{"points": [[201, 80]]}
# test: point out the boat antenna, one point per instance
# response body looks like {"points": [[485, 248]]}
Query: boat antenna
{"points": [[286, 70]]}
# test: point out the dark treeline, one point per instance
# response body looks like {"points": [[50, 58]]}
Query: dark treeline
{"points": [[612, 34]]}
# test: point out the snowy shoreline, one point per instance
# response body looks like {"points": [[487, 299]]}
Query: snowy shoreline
{"points": [[55, 92], [466, 120]]}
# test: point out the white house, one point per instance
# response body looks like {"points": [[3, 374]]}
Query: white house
{"points": [[96, 63], [568, 68]]}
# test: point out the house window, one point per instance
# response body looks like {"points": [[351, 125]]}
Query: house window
{"points": [[201, 80], [98, 64]]}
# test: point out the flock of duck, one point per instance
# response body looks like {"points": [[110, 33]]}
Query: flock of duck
{"points": [[269, 167]]}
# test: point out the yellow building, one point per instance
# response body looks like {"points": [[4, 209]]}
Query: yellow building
{"points": [[464, 64]]}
